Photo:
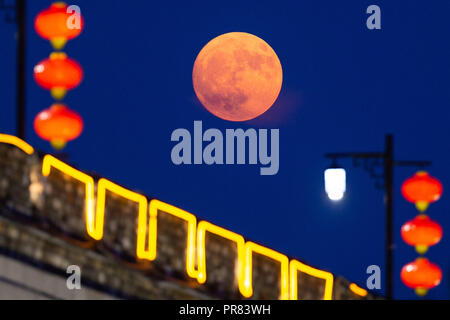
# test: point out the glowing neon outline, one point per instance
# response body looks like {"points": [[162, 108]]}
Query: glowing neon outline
{"points": [[202, 228], [357, 290], [15, 141], [156, 205], [49, 161], [251, 247], [296, 266], [102, 186]]}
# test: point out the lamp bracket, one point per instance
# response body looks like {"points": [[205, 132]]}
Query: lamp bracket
{"points": [[371, 161]]}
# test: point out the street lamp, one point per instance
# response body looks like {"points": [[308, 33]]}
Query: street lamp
{"points": [[335, 183], [335, 188]]}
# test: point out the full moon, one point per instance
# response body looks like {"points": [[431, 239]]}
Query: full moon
{"points": [[237, 76]]}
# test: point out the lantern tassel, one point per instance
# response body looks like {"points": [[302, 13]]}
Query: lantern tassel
{"points": [[422, 206], [421, 249], [58, 93], [58, 144], [58, 43], [421, 292]]}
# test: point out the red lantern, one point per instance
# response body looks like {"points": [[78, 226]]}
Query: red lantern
{"points": [[421, 232], [55, 24], [422, 189], [58, 74], [58, 124], [421, 275]]}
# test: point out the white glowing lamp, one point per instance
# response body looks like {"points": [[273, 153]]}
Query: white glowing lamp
{"points": [[335, 183]]}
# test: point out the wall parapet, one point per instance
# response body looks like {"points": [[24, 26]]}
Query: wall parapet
{"points": [[156, 238]]}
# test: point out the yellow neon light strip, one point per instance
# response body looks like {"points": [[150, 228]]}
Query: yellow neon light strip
{"points": [[296, 266], [95, 224], [202, 228], [251, 247], [156, 205], [97, 229], [19, 143], [358, 290], [50, 161]]}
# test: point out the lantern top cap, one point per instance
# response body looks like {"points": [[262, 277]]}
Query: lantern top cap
{"points": [[58, 106], [422, 173], [59, 4], [58, 55], [58, 109]]}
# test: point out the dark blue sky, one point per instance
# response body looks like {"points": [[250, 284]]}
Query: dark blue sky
{"points": [[344, 88]]}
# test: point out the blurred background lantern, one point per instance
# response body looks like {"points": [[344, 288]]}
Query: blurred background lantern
{"points": [[421, 232], [421, 275], [53, 24], [422, 189], [58, 74], [58, 124]]}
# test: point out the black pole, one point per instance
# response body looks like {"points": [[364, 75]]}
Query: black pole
{"points": [[389, 201], [388, 175], [21, 68]]}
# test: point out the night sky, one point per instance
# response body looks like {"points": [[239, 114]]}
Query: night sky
{"points": [[344, 88]]}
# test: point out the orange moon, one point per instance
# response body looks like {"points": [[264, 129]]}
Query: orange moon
{"points": [[237, 76]]}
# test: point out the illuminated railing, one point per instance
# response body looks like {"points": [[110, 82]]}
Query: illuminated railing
{"points": [[357, 290]]}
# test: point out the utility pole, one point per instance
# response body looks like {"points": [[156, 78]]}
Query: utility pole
{"points": [[371, 161], [21, 12], [389, 203]]}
